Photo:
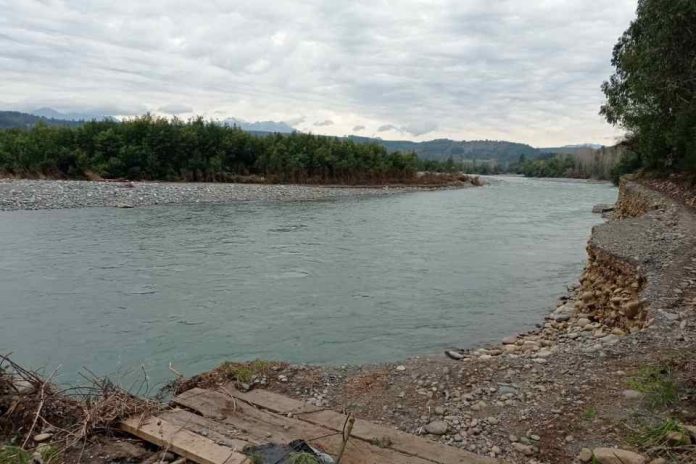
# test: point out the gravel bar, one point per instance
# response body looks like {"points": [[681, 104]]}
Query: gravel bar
{"points": [[56, 194]]}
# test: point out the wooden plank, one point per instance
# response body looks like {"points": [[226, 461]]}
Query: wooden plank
{"points": [[193, 447], [258, 426], [396, 439], [275, 402], [222, 434], [368, 431]]}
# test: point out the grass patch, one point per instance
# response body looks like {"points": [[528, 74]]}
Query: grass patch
{"points": [[302, 458], [14, 455], [658, 385], [656, 436], [245, 372], [590, 414]]}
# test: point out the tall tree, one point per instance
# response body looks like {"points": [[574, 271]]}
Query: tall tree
{"points": [[652, 93]]}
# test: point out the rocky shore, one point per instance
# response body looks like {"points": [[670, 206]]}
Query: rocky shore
{"points": [[23, 194], [608, 377]]}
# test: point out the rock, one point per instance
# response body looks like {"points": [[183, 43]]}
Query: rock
{"points": [[585, 455], [23, 387], [582, 322], [617, 456], [127, 451], [439, 410], [437, 428], [602, 208], [692, 431], [456, 355], [632, 394], [509, 340], [658, 461], [677, 438], [400, 368], [42, 437], [561, 317], [527, 450], [543, 353]]}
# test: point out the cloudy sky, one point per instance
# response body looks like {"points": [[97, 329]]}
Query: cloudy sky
{"points": [[519, 70]]}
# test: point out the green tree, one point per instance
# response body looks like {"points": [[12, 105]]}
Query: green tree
{"points": [[652, 93]]}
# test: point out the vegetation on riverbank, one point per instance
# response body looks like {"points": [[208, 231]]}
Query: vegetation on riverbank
{"points": [[151, 148], [652, 93]]}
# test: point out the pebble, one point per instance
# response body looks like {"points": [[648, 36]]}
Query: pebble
{"points": [[41, 437], [585, 455], [25, 194]]}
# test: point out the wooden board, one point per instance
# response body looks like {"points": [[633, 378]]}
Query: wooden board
{"points": [[313, 422], [401, 441], [192, 446]]}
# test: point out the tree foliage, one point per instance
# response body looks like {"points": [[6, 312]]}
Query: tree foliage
{"points": [[652, 91], [151, 148]]}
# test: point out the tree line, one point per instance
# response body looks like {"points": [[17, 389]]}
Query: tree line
{"points": [[652, 94], [153, 148]]}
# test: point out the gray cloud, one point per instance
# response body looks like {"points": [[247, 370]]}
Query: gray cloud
{"points": [[388, 127], [513, 69], [358, 128], [175, 108], [324, 123]]}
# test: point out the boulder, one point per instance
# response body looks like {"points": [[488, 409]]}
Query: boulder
{"points": [[617, 456]]}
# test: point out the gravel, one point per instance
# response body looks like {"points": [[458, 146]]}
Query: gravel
{"points": [[57, 194]]}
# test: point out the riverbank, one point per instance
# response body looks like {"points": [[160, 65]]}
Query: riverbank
{"points": [[611, 366], [24, 194]]}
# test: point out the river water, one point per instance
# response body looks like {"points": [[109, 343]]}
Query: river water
{"points": [[347, 281]]}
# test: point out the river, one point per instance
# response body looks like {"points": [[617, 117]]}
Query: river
{"points": [[365, 279]]}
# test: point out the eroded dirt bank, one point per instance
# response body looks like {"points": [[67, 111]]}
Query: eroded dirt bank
{"points": [[612, 366]]}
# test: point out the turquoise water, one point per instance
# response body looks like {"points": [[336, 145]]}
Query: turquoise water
{"points": [[347, 281]]}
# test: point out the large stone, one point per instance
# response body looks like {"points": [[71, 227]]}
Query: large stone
{"points": [[437, 428], [617, 456], [509, 340]]}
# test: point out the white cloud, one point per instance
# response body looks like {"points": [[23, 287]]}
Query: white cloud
{"points": [[510, 69]]}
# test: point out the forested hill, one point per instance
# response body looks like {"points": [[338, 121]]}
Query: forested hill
{"points": [[17, 120], [501, 152], [444, 149]]}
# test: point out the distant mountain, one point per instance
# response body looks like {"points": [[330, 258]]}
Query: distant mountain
{"points": [[260, 126], [571, 149], [17, 120], [443, 149], [75, 116]]}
